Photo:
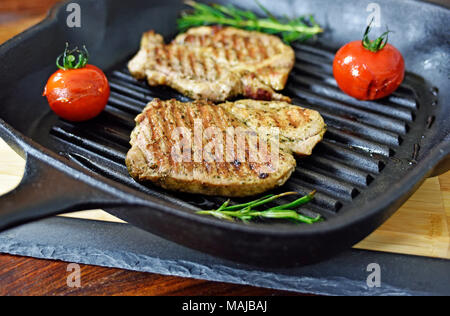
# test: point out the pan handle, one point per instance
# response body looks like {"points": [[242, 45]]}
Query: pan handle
{"points": [[49, 186], [45, 192]]}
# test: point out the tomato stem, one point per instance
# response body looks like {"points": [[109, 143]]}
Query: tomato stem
{"points": [[69, 58], [375, 45]]}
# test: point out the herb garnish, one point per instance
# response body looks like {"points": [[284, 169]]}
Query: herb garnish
{"points": [[246, 212], [300, 28]]}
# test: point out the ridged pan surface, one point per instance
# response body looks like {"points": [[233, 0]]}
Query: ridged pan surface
{"points": [[362, 137]]}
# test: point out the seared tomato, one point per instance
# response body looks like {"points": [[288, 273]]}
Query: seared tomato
{"points": [[369, 70], [77, 92]]}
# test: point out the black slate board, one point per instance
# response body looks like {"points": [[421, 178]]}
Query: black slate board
{"points": [[124, 246]]}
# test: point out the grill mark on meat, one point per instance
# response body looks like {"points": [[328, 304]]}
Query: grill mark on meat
{"points": [[213, 122], [190, 125], [177, 60], [157, 124], [251, 49], [198, 70], [233, 168], [258, 115], [168, 57], [247, 46], [227, 54], [190, 38], [292, 120], [230, 169], [164, 126], [222, 39], [192, 63], [276, 121], [219, 119], [204, 116], [207, 121], [262, 49], [209, 71], [180, 121], [203, 39], [154, 142], [239, 54], [234, 56], [202, 70], [193, 115], [234, 40], [142, 143], [270, 49], [215, 51], [242, 167], [217, 69], [157, 56], [207, 63], [165, 57], [169, 127], [235, 177], [239, 47], [186, 68], [226, 165], [243, 45]]}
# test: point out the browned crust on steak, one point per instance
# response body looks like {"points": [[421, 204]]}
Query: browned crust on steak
{"points": [[216, 63], [151, 159], [300, 129], [264, 55]]}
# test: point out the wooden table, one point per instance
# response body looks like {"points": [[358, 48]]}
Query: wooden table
{"points": [[420, 227]]}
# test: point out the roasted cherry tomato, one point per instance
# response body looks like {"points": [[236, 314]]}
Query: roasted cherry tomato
{"points": [[369, 70], [78, 91]]}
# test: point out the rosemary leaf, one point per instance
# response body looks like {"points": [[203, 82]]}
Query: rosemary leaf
{"points": [[300, 28], [241, 206], [259, 202], [245, 212], [296, 203]]}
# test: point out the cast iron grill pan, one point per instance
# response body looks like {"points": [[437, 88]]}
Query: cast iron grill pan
{"points": [[361, 137], [368, 148]]}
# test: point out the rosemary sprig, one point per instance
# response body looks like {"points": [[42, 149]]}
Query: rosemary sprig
{"points": [[246, 212], [300, 28]]}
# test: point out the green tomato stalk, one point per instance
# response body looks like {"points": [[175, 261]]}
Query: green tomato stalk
{"points": [[70, 60], [377, 44]]}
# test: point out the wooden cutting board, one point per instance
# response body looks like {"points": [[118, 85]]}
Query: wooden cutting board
{"points": [[420, 227]]}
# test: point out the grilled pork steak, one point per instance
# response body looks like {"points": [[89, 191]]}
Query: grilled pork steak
{"points": [[216, 63], [300, 129], [172, 147]]}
